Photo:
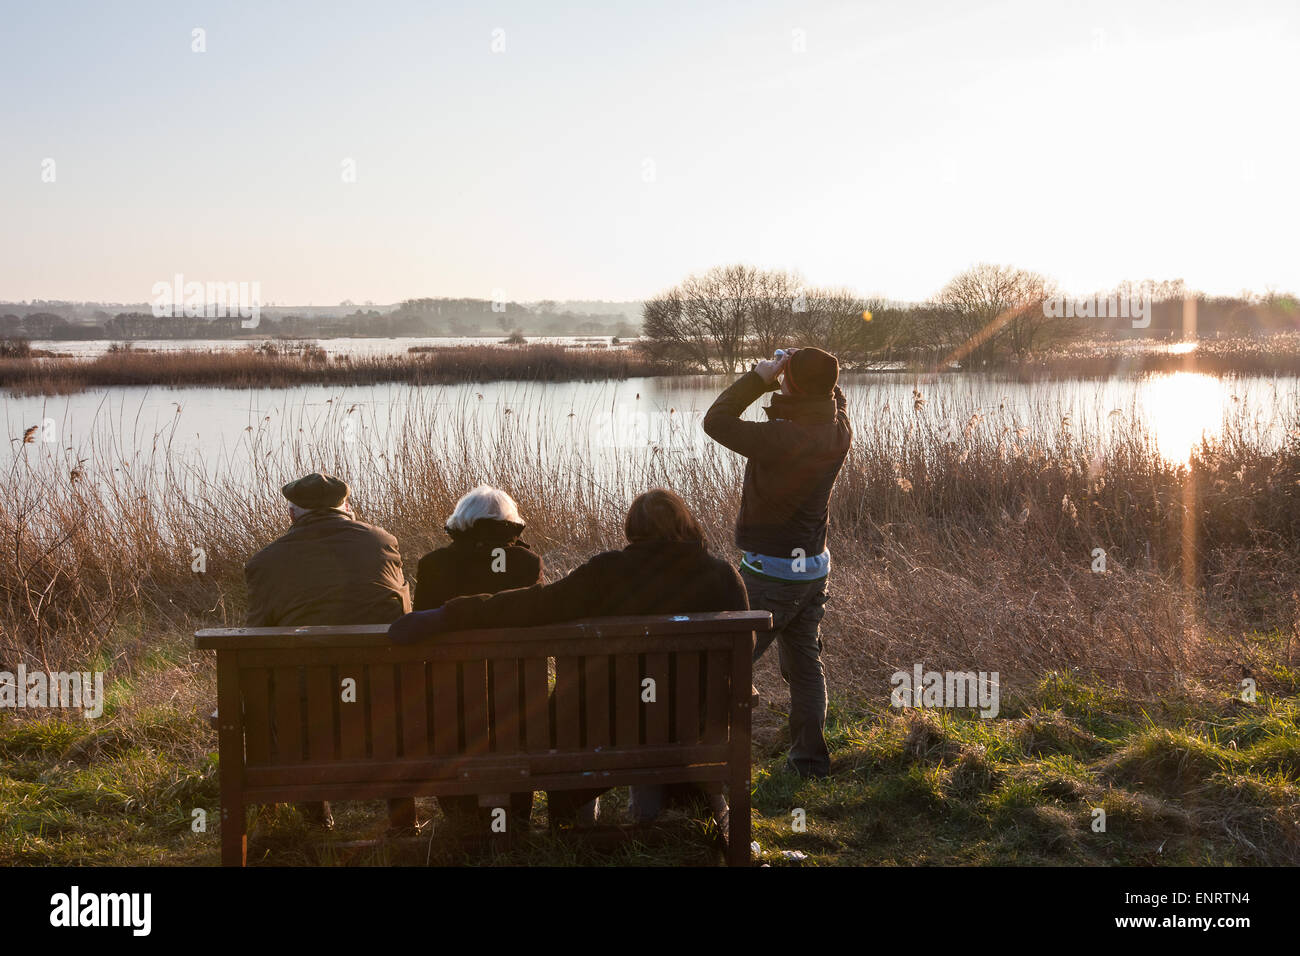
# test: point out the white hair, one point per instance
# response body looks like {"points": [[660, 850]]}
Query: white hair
{"points": [[483, 502], [297, 511]]}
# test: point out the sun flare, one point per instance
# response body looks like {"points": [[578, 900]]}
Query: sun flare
{"points": [[1182, 407]]}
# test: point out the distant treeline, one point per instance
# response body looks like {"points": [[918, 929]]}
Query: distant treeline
{"points": [[412, 317], [987, 316]]}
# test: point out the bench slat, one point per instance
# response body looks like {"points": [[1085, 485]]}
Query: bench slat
{"points": [[505, 706], [401, 653], [320, 713], [415, 708], [627, 700], [446, 709], [686, 694], [656, 712], [452, 768], [255, 688], [352, 714], [537, 710], [376, 635], [596, 676], [288, 715], [474, 693], [370, 789], [383, 711], [568, 704]]}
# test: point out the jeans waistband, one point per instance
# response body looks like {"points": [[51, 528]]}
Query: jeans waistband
{"points": [[796, 568]]}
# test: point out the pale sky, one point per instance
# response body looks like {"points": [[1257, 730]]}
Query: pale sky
{"points": [[610, 149]]}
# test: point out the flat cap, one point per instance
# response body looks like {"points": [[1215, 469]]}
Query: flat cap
{"points": [[316, 491]]}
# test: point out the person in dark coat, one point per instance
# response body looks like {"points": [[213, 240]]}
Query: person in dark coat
{"points": [[486, 554], [793, 460], [328, 568], [666, 568]]}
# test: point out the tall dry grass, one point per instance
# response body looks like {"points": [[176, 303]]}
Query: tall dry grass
{"points": [[959, 541]]}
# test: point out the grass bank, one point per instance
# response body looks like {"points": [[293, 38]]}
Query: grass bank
{"points": [[1196, 779]]}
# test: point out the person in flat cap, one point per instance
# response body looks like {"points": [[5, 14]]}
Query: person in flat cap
{"points": [[328, 568], [793, 460], [317, 491]]}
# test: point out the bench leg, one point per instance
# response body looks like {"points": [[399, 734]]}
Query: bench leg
{"points": [[738, 826], [230, 753], [234, 835]]}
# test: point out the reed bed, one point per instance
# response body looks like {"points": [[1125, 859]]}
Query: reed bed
{"points": [[1275, 354], [283, 367]]}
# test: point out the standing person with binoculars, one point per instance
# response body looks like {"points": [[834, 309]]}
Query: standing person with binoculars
{"points": [[793, 460]]}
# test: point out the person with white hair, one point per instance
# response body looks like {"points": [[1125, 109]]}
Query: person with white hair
{"points": [[486, 553]]}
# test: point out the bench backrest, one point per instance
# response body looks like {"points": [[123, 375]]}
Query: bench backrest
{"points": [[344, 712]]}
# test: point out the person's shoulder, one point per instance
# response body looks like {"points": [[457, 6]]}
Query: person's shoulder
{"points": [[720, 565], [267, 554], [372, 531], [520, 552], [608, 560], [436, 557], [729, 584]]}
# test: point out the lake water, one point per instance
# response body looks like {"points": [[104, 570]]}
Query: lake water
{"points": [[230, 432]]}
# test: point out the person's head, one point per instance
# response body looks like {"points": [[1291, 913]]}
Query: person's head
{"points": [[810, 373], [484, 503], [660, 515], [316, 492]]}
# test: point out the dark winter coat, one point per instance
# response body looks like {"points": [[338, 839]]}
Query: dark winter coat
{"points": [[655, 577], [794, 459], [484, 559]]}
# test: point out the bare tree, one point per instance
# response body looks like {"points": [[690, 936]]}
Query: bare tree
{"points": [[723, 300], [732, 313], [990, 307], [835, 322], [670, 335], [771, 324]]}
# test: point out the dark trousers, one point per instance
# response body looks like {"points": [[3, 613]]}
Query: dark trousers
{"points": [[797, 608]]}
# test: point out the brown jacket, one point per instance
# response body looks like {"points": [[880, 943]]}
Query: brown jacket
{"points": [[327, 569]]}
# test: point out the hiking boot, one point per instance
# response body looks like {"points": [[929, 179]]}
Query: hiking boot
{"points": [[808, 773]]}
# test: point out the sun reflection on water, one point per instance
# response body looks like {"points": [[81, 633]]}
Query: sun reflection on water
{"points": [[1183, 407]]}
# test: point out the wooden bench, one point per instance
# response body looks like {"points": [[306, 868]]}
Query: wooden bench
{"points": [[471, 713]]}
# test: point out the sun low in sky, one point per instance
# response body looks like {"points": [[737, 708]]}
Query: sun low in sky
{"points": [[378, 152]]}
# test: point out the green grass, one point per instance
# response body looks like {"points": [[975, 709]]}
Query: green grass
{"points": [[1189, 780]]}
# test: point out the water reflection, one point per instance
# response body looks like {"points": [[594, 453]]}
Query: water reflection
{"points": [[1182, 408], [226, 431]]}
